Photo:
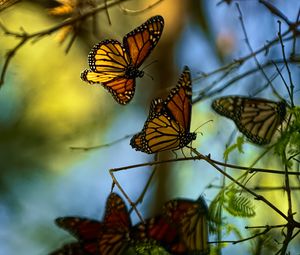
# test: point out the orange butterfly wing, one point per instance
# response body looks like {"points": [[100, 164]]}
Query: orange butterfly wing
{"points": [[159, 132], [179, 102], [142, 40], [116, 66]]}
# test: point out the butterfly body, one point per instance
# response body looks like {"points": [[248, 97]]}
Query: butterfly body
{"points": [[115, 66], [256, 118], [168, 123]]}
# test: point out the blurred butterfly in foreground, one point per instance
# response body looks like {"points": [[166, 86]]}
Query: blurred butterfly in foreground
{"points": [[181, 228], [168, 123], [115, 66], [190, 217], [256, 118], [95, 237]]}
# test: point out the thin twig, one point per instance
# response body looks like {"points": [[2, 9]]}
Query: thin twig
{"points": [[252, 52], [249, 169], [245, 239], [37, 35], [287, 66], [101, 145], [258, 188], [203, 94], [128, 11], [257, 197], [132, 204], [142, 195]]}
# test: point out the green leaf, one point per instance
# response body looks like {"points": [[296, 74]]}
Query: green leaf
{"points": [[238, 205], [238, 145]]}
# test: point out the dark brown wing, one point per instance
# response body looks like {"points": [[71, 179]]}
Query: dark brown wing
{"points": [[85, 230], [114, 239], [190, 217], [256, 118], [71, 249]]}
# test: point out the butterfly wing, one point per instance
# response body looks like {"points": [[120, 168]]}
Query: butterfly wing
{"points": [[109, 59], [109, 63], [256, 118], [191, 218], [114, 239], [159, 230], [159, 133], [179, 101], [85, 230], [71, 249], [141, 41]]}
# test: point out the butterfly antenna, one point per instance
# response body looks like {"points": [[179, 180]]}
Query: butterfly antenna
{"points": [[202, 125], [154, 61], [151, 77]]}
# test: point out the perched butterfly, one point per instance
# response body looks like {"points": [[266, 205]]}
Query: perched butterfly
{"points": [[94, 237], [190, 217], [256, 118], [115, 66], [168, 123]]}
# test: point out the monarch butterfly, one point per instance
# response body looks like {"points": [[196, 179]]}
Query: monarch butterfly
{"points": [[256, 118], [168, 123], [94, 237], [190, 217], [115, 66]]}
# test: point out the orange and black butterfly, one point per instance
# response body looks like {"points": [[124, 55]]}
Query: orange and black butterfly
{"points": [[169, 121], [257, 118], [94, 237], [181, 227], [190, 217], [115, 66]]}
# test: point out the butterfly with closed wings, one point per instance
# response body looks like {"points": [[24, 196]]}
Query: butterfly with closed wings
{"points": [[168, 123], [256, 118], [115, 66]]}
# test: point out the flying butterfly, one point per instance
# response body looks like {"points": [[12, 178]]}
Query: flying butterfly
{"points": [[94, 237], [115, 66], [168, 123], [190, 217], [256, 118]]}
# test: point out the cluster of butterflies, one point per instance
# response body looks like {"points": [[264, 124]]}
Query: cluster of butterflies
{"points": [[181, 228], [116, 66]]}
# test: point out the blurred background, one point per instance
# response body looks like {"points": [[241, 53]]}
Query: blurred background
{"points": [[45, 109]]}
